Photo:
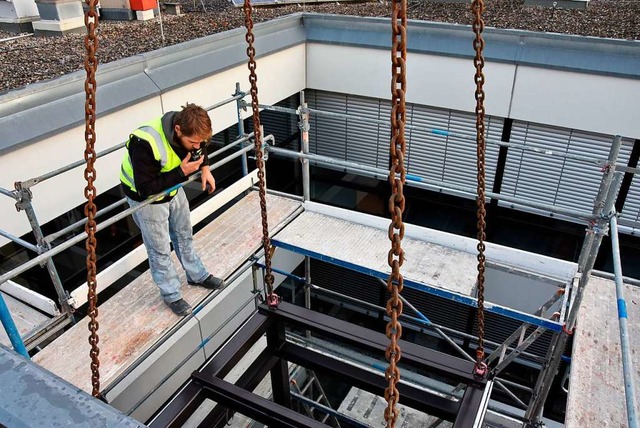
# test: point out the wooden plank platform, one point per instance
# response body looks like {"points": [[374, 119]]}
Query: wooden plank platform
{"points": [[596, 388], [24, 316], [368, 247], [136, 317]]}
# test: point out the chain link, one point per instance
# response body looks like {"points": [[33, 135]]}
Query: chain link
{"points": [[257, 132], [90, 66], [477, 7], [397, 178]]}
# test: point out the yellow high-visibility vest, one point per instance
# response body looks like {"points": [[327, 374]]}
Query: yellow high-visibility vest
{"points": [[152, 133]]}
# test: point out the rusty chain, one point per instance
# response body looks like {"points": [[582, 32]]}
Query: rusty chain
{"points": [[397, 178], [90, 66], [477, 7], [257, 132]]}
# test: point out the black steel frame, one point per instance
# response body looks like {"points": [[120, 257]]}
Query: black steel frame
{"points": [[208, 383]]}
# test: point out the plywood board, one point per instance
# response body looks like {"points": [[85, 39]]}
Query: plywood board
{"points": [[136, 317], [596, 388], [368, 247]]}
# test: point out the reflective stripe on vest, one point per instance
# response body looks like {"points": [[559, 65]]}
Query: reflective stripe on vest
{"points": [[152, 133]]}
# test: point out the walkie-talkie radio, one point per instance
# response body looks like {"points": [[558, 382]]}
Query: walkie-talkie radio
{"points": [[195, 154]]}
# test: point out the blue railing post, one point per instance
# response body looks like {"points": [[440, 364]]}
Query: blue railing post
{"points": [[11, 329], [627, 362]]}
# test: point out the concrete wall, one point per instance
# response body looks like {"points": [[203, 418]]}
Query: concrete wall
{"points": [[432, 80], [576, 82], [604, 104]]}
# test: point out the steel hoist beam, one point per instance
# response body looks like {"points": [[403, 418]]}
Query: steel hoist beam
{"points": [[209, 383]]}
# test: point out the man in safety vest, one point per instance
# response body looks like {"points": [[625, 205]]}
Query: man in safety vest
{"points": [[161, 154]]}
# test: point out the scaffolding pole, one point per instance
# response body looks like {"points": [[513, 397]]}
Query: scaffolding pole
{"points": [[20, 241], [33, 181], [523, 344], [52, 237], [11, 329], [603, 207], [24, 204], [627, 364], [8, 193], [304, 128], [238, 95]]}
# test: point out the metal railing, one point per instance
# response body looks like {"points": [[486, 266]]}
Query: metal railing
{"points": [[22, 194], [470, 138]]}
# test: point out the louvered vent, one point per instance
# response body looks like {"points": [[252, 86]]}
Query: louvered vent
{"points": [[365, 140], [555, 180], [283, 126], [447, 156], [328, 134], [449, 159]]}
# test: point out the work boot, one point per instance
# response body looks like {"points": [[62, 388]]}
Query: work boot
{"points": [[210, 282], [180, 307]]}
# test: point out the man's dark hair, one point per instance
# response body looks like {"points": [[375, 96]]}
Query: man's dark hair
{"points": [[194, 121]]}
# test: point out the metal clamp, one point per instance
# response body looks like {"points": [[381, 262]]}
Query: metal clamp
{"points": [[25, 185], [303, 124], [23, 196]]}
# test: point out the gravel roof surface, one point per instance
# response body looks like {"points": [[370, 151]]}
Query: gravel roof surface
{"points": [[30, 59]]}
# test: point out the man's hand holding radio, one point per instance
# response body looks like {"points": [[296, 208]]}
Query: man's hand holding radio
{"points": [[190, 166]]}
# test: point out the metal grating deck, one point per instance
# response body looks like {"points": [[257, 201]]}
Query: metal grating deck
{"points": [[435, 269], [367, 247]]}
